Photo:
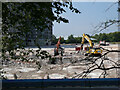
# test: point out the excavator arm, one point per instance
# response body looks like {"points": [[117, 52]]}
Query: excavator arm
{"points": [[58, 43], [58, 49], [88, 39]]}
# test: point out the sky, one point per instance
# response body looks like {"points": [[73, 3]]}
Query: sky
{"points": [[92, 15]]}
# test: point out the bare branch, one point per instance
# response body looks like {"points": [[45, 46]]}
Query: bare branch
{"points": [[93, 65], [105, 25], [110, 6]]}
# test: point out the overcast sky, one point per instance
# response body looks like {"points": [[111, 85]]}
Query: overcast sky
{"points": [[92, 14]]}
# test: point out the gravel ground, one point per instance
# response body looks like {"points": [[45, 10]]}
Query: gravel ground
{"points": [[18, 70]]}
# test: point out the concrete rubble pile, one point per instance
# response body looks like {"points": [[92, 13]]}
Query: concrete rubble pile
{"points": [[67, 67]]}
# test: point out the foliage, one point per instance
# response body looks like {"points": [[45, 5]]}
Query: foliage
{"points": [[62, 40], [54, 39], [78, 39], [110, 37], [70, 39], [21, 19]]}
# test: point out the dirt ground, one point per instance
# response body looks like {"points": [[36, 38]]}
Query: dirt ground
{"points": [[66, 69]]}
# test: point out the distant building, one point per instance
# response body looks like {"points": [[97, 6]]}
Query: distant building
{"points": [[34, 36], [39, 37]]}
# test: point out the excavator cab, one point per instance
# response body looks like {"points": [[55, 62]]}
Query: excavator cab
{"points": [[96, 51]]}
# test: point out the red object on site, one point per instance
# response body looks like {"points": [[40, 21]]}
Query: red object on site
{"points": [[77, 48]]}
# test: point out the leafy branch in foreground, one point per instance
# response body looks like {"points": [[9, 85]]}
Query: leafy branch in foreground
{"points": [[21, 19]]}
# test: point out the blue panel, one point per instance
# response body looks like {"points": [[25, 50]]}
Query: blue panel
{"points": [[94, 82]]}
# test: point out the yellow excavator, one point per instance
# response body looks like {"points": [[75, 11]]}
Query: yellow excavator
{"points": [[94, 51]]}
